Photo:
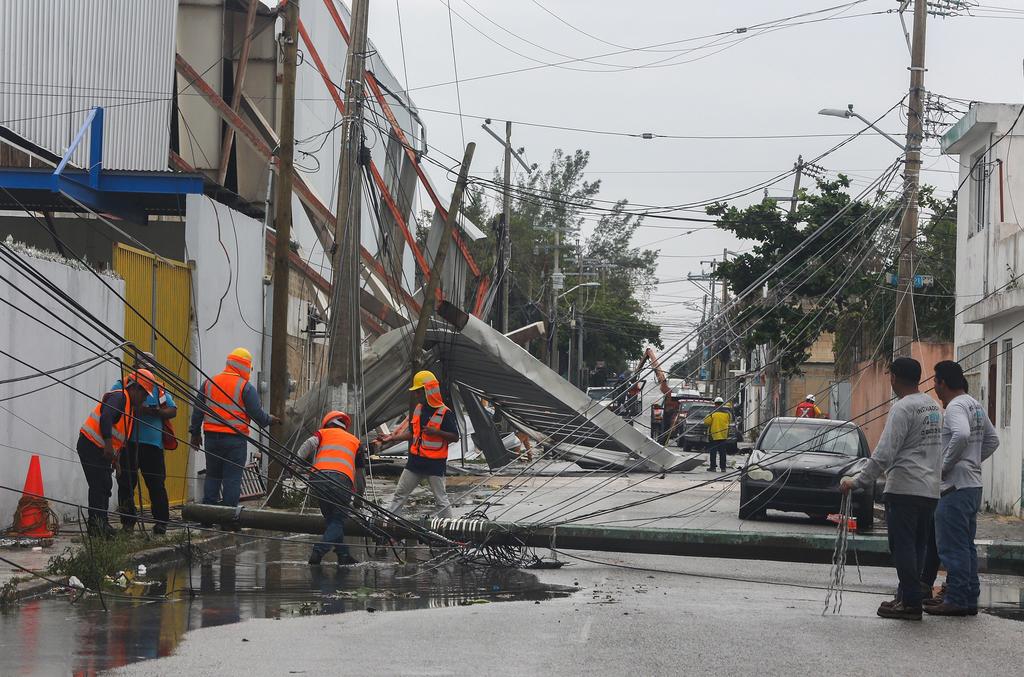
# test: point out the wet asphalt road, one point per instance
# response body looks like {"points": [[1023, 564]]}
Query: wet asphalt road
{"points": [[626, 621]]}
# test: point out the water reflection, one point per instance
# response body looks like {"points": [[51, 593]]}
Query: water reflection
{"points": [[265, 579]]}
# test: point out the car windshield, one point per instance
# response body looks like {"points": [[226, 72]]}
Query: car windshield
{"points": [[795, 436], [599, 393]]}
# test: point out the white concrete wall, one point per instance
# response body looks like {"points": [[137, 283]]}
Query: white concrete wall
{"points": [[987, 260], [47, 422], [236, 275]]}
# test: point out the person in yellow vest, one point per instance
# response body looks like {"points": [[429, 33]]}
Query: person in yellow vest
{"points": [[718, 434], [225, 405], [102, 438], [431, 428], [338, 459]]}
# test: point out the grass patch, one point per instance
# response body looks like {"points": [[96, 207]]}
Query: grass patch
{"points": [[99, 557]]}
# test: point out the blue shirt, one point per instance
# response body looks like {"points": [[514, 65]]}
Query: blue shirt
{"points": [[149, 428]]}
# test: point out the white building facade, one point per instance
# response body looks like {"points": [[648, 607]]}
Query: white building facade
{"points": [[989, 328]]}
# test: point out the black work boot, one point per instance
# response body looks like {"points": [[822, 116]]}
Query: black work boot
{"points": [[315, 557], [899, 612], [346, 559]]}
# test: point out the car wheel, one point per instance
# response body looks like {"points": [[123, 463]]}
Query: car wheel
{"points": [[686, 447], [752, 507]]}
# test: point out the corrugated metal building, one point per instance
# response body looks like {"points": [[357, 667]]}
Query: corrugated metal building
{"points": [[60, 58]]}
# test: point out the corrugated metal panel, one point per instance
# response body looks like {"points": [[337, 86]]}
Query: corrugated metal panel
{"points": [[59, 58], [160, 290]]}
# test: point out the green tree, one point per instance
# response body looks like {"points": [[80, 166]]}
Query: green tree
{"points": [[559, 199], [836, 283]]}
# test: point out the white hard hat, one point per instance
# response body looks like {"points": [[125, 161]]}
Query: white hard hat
{"points": [[810, 398], [718, 400]]}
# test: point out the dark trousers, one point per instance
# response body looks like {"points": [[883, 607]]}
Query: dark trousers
{"points": [[99, 476], [909, 520], [150, 461], [931, 562], [717, 447], [333, 491], [226, 455]]}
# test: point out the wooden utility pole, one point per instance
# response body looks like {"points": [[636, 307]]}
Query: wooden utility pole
{"points": [[505, 253], [283, 224], [430, 292], [343, 367], [904, 325]]}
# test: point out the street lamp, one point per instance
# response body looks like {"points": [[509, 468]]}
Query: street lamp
{"points": [[582, 284], [849, 113]]}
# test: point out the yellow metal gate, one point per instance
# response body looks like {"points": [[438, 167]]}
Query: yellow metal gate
{"points": [[161, 291]]}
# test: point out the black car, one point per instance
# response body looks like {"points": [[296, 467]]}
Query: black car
{"points": [[796, 466], [692, 432]]}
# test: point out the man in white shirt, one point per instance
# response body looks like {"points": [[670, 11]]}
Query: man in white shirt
{"points": [[909, 455], [968, 438]]}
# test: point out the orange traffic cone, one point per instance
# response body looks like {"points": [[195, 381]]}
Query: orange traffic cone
{"points": [[33, 514]]}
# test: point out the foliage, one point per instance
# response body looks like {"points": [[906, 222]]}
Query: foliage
{"points": [[557, 199], [837, 283]]}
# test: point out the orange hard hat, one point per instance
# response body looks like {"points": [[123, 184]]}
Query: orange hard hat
{"points": [[336, 416], [142, 377]]}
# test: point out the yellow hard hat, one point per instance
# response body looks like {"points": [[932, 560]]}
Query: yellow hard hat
{"points": [[241, 353], [422, 378]]}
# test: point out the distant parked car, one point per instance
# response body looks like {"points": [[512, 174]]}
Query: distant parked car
{"points": [[603, 395], [796, 465], [692, 432]]}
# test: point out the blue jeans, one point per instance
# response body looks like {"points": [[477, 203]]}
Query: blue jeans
{"points": [[333, 490], [909, 520], [956, 525], [226, 455]]}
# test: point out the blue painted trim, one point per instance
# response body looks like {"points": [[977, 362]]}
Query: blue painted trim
{"points": [[74, 145], [96, 148], [159, 183]]}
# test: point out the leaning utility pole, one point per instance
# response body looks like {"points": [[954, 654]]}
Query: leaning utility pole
{"points": [[343, 368], [433, 286], [904, 325], [282, 243], [505, 243]]}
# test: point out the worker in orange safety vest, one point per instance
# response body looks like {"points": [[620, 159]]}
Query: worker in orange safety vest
{"points": [[431, 429], [337, 458], [101, 439], [225, 406]]}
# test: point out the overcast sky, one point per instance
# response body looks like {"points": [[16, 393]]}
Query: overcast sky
{"points": [[743, 84]]}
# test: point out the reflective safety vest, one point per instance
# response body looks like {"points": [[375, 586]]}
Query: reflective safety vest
{"points": [[119, 432], [224, 401], [337, 451], [425, 442]]}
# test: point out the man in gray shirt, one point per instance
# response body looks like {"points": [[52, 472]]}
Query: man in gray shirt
{"points": [[968, 438], [909, 453]]}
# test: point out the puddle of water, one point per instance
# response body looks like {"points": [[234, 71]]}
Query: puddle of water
{"points": [[264, 579]]}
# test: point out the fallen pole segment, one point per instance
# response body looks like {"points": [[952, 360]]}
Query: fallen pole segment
{"points": [[1003, 557]]}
